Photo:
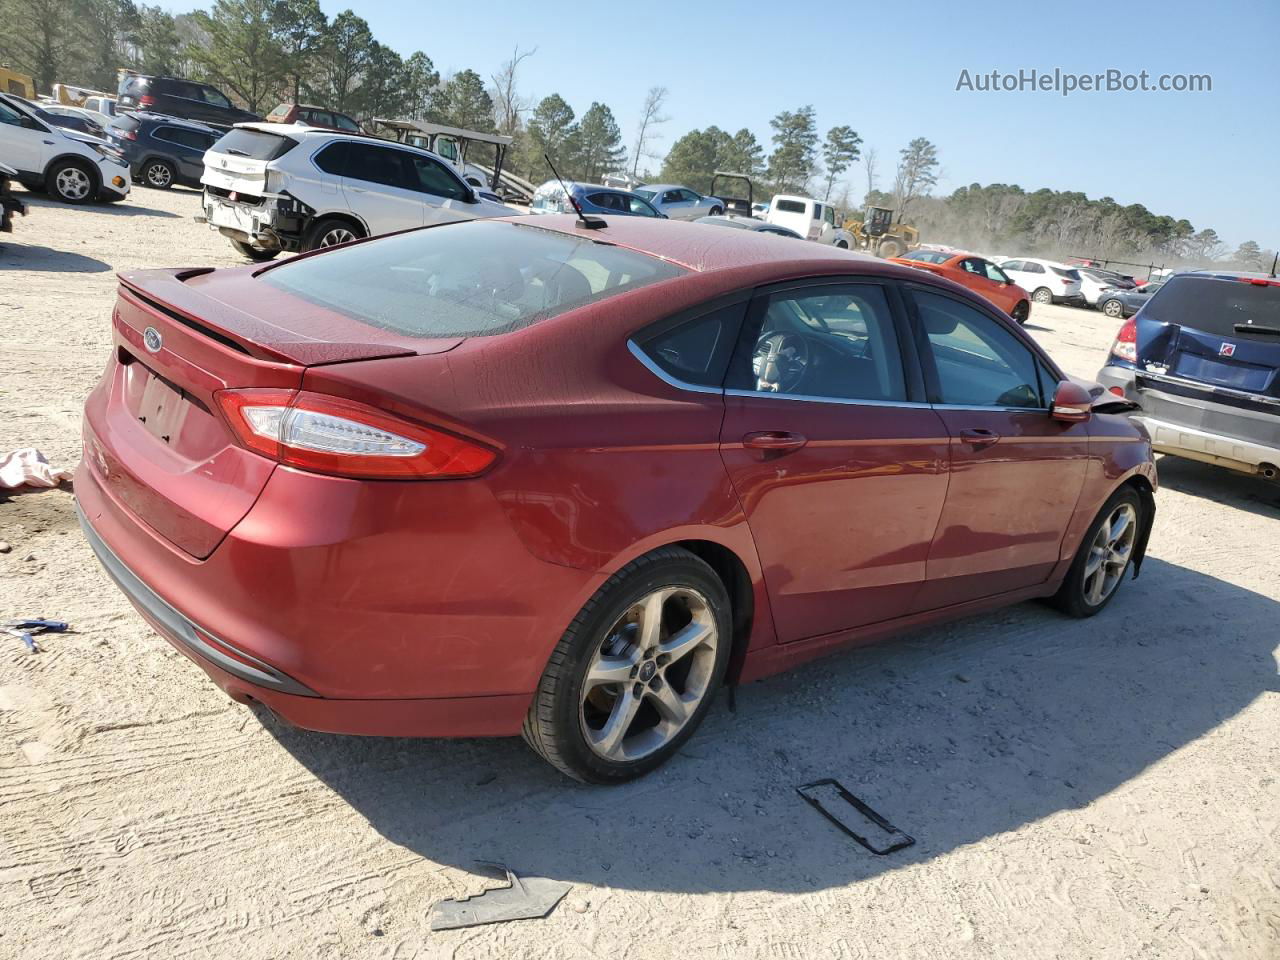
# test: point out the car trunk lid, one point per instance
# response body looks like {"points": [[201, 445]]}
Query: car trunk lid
{"points": [[157, 439]]}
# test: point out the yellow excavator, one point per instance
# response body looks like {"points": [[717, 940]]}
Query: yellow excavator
{"points": [[877, 233], [19, 84]]}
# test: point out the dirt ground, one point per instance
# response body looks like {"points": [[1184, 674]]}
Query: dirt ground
{"points": [[1099, 789]]}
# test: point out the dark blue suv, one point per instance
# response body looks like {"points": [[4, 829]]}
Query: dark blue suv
{"points": [[1202, 358], [162, 150]]}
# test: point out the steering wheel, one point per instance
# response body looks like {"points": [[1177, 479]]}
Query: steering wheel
{"points": [[780, 362]]}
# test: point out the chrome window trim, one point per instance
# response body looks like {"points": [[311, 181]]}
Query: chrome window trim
{"points": [[806, 398], [668, 379]]}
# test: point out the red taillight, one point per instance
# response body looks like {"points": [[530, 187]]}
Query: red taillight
{"points": [[146, 101], [129, 134], [1260, 282], [1118, 391], [1126, 345], [332, 435], [1065, 282]]}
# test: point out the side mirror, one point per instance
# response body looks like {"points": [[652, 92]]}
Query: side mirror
{"points": [[1072, 403]]}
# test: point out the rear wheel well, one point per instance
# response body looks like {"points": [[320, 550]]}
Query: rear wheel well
{"points": [[344, 217], [737, 582]]}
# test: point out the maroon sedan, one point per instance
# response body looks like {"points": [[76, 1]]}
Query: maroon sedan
{"points": [[513, 476]]}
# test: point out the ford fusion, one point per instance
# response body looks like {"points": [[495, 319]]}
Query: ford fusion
{"points": [[496, 478]]}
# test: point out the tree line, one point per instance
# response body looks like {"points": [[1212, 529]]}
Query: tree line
{"points": [[263, 51]]}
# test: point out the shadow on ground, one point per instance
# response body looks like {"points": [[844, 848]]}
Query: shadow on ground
{"points": [[38, 259], [1220, 485], [128, 207], [956, 734]]}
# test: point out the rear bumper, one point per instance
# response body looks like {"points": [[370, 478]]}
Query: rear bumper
{"points": [[1200, 429], [264, 224], [247, 679], [1072, 300]]}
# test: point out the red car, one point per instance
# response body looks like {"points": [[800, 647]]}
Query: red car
{"points": [[510, 476], [978, 274], [313, 117]]}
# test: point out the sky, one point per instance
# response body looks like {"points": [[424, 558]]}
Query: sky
{"points": [[890, 70]]}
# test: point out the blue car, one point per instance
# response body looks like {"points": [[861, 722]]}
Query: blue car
{"points": [[162, 150], [1202, 359], [592, 198]]}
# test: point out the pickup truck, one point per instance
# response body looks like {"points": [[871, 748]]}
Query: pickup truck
{"points": [[811, 219]]}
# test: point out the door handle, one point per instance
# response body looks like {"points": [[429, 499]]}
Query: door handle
{"points": [[978, 437], [774, 441]]}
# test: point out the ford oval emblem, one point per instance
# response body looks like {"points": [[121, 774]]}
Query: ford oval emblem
{"points": [[152, 340]]}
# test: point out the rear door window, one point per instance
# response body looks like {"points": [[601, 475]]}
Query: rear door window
{"points": [[472, 279], [836, 341], [382, 165]]}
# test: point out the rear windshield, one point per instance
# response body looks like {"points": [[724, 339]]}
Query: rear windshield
{"points": [[132, 84], [789, 206], [646, 194], [1223, 308], [126, 122], [254, 144], [473, 279], [1069, 274]]}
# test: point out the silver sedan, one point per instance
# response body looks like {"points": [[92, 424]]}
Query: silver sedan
{"points": [[680, 203]]}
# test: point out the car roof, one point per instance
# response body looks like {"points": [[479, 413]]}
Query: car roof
{"points": [[175, 121], [655, 187], [707, 248]]}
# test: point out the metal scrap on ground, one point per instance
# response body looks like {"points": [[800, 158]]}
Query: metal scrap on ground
{"points": [[524, 898], [851, 815]]}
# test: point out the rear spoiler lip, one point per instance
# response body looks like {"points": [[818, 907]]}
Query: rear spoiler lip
{"points": [[166, 291]]}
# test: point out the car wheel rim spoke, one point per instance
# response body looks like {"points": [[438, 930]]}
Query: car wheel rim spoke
{"points": [[649, 674], [73, 184], [1110, 553]]}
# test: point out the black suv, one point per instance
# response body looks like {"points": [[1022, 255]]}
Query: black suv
{"points": [[180, 98], [163, 150]]}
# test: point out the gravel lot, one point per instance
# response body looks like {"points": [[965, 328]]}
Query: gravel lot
{"points": [[1099, 789]]}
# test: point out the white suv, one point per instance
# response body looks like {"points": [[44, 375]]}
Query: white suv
{"points": [[73, 167], [271, 187], [1047, 281]]}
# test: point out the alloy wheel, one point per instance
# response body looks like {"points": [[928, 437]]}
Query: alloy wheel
{"points": [[1042, 296], [650, 674], [73, 183], [158, 175], [1112, 308], [1109, 554], [337, 235]]}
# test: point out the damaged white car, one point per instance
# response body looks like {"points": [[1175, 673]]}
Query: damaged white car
{"points": [[270, 188]]}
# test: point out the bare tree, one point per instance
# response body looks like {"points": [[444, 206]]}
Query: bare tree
{"points": [[917, 172], [650, 116], [869, 161], [508, 105]]}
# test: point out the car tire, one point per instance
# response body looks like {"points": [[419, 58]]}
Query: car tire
{"points": [[71, 181], [890, 248], [841, 245], [158, 174], [1020, 312], [616, 699], [1112, 308], [330, 232], [1100, 564], [1042, 295], [252, 252], [716, 212]]}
